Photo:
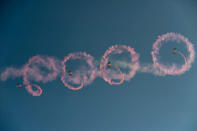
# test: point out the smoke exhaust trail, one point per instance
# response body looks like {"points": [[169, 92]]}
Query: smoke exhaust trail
{"points": [[45, 69]]}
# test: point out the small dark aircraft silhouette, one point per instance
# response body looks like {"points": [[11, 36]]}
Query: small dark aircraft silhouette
{"points": [[19, 85], [109, 64], [70, 73], [174, 51]]}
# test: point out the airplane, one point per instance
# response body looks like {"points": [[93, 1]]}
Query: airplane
{"points": [[174, 51], [109, 64], [19, 85], [70, 73]]}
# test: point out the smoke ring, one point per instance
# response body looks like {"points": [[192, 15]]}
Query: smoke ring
{"points": [[79, 55], [118, 49], [173, 70], [49, 64]]}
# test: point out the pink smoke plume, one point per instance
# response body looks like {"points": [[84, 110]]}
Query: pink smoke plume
{"points": [[11, 73], [33, 70]]}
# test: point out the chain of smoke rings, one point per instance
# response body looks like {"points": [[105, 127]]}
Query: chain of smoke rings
{"points": [[31, 70]]}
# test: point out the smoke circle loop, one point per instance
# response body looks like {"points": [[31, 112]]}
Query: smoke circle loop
{"points": [[173, 70], [118, 49], [37, 75], [84, 80]]}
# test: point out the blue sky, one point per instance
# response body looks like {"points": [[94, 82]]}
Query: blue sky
{"points": [[56, 28]]}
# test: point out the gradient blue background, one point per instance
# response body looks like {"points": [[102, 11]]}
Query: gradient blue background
{"points": [[58, 27]]}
